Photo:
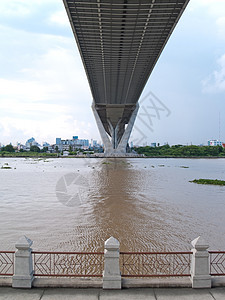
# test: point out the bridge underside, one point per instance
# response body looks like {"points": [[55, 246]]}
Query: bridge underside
{"points": [[120, 42]]}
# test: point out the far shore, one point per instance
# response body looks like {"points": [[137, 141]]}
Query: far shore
{"points": [[101, 156]]}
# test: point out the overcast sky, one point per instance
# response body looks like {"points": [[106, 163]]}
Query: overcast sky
{"points": [[44, 92]]}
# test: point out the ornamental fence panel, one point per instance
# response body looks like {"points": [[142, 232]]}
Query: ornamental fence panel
{"points": [[217, 263], [132, 264], [155, 264], [6, 263], [68, 264]]}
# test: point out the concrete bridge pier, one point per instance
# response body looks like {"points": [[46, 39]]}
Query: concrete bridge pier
{"points": [[114, 145]]}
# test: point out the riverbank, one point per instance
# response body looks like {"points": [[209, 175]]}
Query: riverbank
{"points": [[55, 155], [29, 155]]}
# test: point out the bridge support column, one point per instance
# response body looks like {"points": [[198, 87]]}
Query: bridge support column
{"points": [[125, 138], [113, 147], [105, 139]]}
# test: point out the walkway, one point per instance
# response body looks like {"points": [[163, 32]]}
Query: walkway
{"points": [[7, 293]]}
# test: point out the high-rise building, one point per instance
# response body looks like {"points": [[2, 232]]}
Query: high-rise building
{"points": [[31, 142], [72, 144], [58, 141]]}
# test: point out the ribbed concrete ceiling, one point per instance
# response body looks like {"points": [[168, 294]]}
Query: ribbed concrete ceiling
{"points": [[120, 42]]}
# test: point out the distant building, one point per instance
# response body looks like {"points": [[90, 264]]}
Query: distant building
{"points": [[153, 145], [72, 145], [31, 142], [84, 143], [45, 144], [21, 147], [94, 143], [66, 153], [96, 146], [214, 143], [58, 141]]}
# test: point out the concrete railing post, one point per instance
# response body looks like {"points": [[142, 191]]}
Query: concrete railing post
{"points": [[111, 274], [200, 275], [23, 271]]}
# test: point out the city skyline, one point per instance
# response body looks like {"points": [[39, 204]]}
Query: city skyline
{"points": [[43, 143], [44, 89], [210, 142]]}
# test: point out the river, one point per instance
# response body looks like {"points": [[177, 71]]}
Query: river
{"points": [[68, 204]]}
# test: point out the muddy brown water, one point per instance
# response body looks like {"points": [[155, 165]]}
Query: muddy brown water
{"points": [[70, 204]]}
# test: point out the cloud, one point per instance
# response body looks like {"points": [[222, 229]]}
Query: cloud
{"points": [[60, 75], [215, 82], [213, 6], [47, 93], [15, 8], [26, 90], [60, 18], [21, 7], [62, 125], [212, 11], [23, 108], [56, 75], [220, 22]]}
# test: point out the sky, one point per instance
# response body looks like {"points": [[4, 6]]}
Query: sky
{"points": [[44, 92]]}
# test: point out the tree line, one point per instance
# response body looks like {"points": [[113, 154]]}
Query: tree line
{"points": [[9, 148], [182, 151]]}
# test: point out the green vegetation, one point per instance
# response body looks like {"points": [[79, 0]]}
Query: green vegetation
{"points": [[35, 149], [209, 181], [5, 167], [182, 151], [8, 148], [73, 153], [27, 154]]}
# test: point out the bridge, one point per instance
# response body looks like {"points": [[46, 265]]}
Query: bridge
{"points": [[120, 42]]}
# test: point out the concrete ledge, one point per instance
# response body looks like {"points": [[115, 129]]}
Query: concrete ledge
{"points": [[5, 281], [67, 282], [218, 281], [127, 283], [156, 283]]}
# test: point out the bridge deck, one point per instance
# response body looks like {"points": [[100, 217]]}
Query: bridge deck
{"points": [[120, 42]]}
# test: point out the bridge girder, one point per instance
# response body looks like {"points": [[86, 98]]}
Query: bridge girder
{"points": [[120, 42]]}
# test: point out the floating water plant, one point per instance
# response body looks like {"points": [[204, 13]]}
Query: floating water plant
{"points": [[5, 167], [209, 181]]}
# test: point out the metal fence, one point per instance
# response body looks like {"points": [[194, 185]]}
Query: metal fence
{"points": [[132, 264], [217, 263], [155, 264], [6, 263], [68, 264]]}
